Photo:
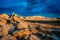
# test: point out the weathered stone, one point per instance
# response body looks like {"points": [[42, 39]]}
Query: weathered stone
{"points": [[8, 37], [33, 37], [23, 30]]}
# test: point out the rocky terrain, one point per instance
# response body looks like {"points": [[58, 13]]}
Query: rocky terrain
{"points": [[15, 27]]}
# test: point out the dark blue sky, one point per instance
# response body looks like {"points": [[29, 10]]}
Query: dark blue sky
{"points": [[49, 8]]}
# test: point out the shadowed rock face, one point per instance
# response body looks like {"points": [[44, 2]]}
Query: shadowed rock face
{"points": [[15, 28]]}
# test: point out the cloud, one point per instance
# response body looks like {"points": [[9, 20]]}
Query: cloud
{"points": [[31, 6]]}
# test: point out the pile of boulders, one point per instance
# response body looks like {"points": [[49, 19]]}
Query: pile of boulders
{"points": [[14, 28]]}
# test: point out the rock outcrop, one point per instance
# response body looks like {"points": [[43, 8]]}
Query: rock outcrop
{"points": [[15, 28]]}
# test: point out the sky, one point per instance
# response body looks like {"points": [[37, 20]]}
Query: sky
{"points": [[48, 8]]}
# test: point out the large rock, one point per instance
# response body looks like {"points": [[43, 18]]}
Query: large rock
{"points": [[22, 25], [5, 16], [8, 37], [33, 37], [22, 33], [4, 30]]}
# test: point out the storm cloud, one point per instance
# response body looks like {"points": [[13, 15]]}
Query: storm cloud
{"points": [[30, 7]]}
